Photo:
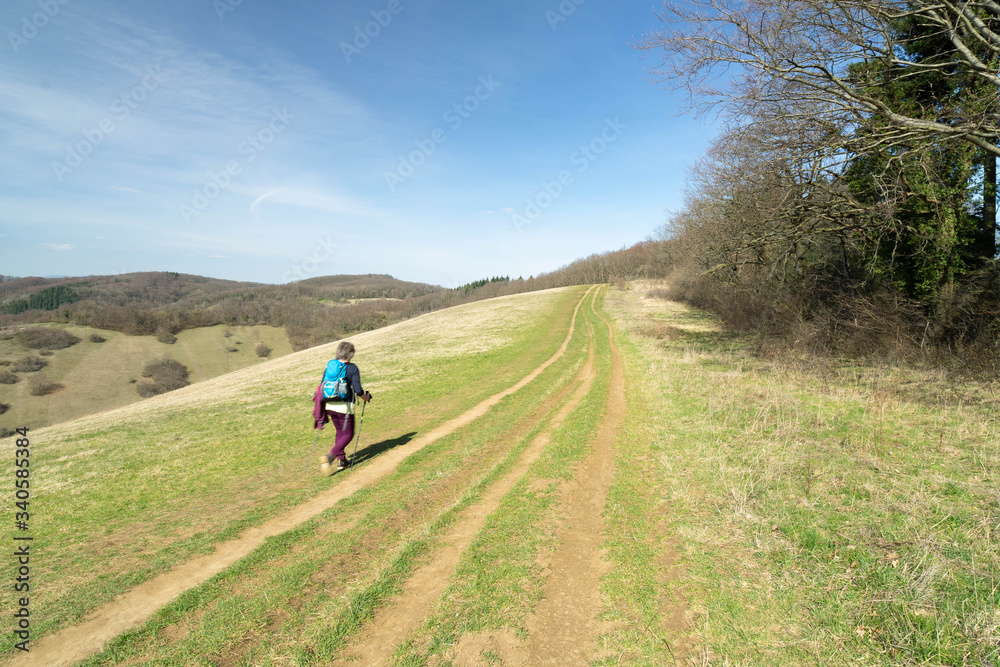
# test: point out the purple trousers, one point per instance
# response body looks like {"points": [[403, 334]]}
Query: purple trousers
{"points": [[344, 424]]}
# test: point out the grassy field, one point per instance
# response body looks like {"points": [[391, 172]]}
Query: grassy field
{"points": [[302, 597], [806, 511], [121, 496], [761, 511], [114, 365]]}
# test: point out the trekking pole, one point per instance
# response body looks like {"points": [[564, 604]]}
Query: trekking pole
{"points": [[360, 424], [313, 450]]}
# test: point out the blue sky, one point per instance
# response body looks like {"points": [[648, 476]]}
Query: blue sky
{"points": [[266, 141]]}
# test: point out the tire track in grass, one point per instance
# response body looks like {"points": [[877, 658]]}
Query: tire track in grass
{"points": [[426, 585], [565, 626], [133, 608]]}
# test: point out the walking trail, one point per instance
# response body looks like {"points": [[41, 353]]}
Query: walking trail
{"points": [[394, 622], [131, 609], [564, 627]]}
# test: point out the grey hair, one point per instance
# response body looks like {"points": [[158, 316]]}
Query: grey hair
{"points": [[345, 351]]}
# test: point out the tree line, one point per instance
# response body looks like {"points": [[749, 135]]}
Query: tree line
{"points": [[49, 298], [468, 287], [312, 312], [850, 200]]}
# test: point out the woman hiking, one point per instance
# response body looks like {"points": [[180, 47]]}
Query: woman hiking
{"points": [[334, 402]]}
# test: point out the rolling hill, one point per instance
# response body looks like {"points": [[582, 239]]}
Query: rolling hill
{"points": [[585, 475], [130, 493], [98, 376]]}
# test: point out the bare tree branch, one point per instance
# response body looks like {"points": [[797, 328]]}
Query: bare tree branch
{"points": [[745, 56]]}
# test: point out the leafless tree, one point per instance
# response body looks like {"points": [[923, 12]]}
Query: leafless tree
{"points": [[754, 58]]}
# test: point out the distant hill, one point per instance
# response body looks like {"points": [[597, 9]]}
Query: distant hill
{"points": [[180, 290], [213, 326], [312, 312], [148, 288], [103, 369], [157, 302]]}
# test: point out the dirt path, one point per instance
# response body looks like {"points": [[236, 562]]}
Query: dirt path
{"points": [[393, 623], [74, 643], [565, 626]]}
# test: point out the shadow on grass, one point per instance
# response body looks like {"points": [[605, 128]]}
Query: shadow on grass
{"points": [[664, 331], [373, 450]]}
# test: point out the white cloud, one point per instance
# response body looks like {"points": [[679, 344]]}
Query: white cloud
{"points": [[253, 207], [312, 199], [57, 246], [193, 121]]}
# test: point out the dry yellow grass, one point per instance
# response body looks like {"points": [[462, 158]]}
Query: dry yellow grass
{"points": [[97, 376], [827, 511], [462, 330]]}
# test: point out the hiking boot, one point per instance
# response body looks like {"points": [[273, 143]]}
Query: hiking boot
{"points": [[341, 464], [325, 458], [326, 469]]}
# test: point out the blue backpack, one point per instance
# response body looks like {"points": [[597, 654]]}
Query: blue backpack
{"points": [[335, 387]]}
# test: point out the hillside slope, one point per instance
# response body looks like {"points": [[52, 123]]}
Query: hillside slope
{"points": [[125, 494], [535, 486], [100, 376]]}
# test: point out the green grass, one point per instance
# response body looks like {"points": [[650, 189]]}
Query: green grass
{"points": [[499, 578], [99, 376], [763, 511], [313, 587], [638, 588], [825, 512], [121, 497]]}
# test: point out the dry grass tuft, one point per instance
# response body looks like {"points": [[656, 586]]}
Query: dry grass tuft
{"points": [[857, 499]]}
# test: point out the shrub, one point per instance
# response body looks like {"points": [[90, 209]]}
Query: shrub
{"points": [[29, 364], [6, 377], [228, 334], [164, 336], [263, 350], [40, 385], [232, 349], [46, 337], [97, 338], [5, 432], [46, 353], [146, 388], [5, 362], [162, 375], [4, 407]]}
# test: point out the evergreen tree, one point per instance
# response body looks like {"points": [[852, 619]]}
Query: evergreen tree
{"points": [[928, 186]]}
